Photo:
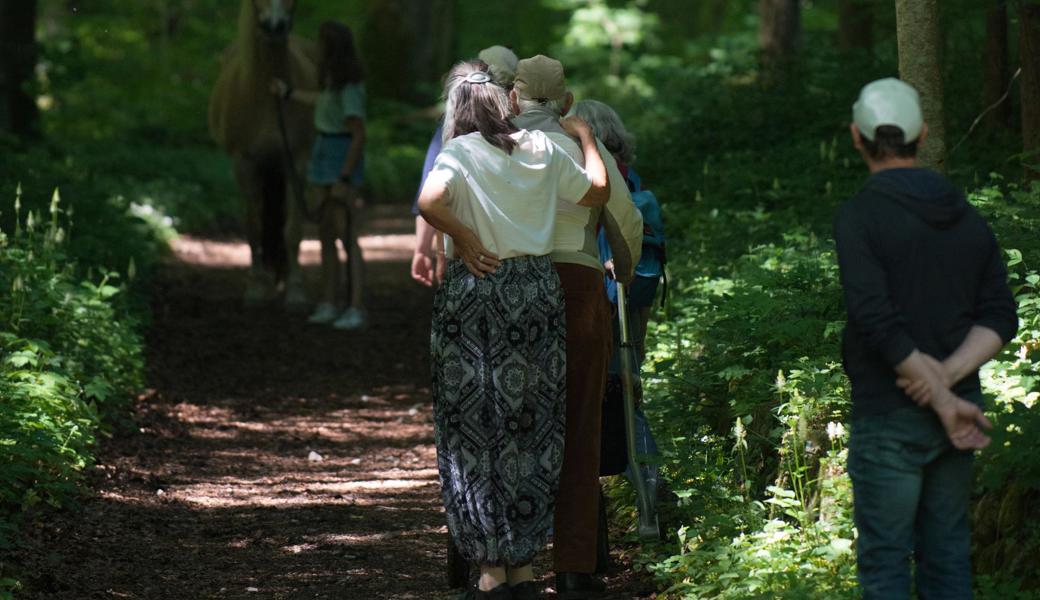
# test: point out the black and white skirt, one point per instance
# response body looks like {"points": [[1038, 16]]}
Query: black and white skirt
{"points": [[499, 389]]}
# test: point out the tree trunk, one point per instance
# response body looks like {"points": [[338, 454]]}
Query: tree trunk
{"points": [[18, 112], [779, 34], [920, 45], [1029, 38], [856, 24], [997, 72]]}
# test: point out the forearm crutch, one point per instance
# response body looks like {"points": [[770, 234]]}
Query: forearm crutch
{"points": [[648, 526]]}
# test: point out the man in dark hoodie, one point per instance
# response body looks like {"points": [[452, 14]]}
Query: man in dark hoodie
{"points": [[928, 303]]}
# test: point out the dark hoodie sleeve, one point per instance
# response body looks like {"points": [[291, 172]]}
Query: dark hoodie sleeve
{"points": [[865, 286], [995, 306]]}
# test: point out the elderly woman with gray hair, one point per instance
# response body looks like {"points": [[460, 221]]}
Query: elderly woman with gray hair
{"points": [[607, 126], [426, 264], [610, 130], [642, 290], [498, 330]]}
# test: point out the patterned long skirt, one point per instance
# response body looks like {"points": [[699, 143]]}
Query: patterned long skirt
{"points": [[499, 387]]}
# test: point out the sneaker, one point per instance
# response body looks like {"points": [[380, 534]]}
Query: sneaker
{"points": [[352, 318], [324, 313]]}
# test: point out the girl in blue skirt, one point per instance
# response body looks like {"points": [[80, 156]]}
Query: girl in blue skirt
{"points": [[336, 168]]}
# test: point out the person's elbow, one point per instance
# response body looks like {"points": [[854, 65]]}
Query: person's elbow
{"points": [[425, 203], [1004, 326], [597, 195], [431, 199]]}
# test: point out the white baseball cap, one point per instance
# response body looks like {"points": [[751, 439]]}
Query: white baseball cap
{"points": [[888, 101]]}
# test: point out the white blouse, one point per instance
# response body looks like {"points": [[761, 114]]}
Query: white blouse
{"points": [[509, 200]]}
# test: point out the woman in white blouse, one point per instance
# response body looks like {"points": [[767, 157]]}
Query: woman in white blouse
{"points": [[498, 333]]}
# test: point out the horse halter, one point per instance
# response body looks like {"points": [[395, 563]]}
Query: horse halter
{"points": [[282, 23]]}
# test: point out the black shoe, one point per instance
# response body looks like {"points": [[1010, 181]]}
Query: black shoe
{"points": [[578, 586], [527, 590], [501, 592]]}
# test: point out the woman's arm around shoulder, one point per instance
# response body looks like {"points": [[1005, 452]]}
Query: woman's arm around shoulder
{"points": [[599, 193]]}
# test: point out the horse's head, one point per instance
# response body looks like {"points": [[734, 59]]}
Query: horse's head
{"points": [[274, 17]]}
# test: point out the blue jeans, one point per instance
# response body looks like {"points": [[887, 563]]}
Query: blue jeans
{"points": [[911, 493]]}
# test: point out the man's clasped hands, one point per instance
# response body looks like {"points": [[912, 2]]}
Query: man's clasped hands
{"points": [[928, 382]]}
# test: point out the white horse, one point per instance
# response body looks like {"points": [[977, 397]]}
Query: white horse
{"points": [[244, 121]]}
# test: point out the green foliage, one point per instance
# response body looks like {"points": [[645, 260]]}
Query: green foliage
{"points": [[69, 358], [395, 151], [744, 388], [1006, 540], [126, 89], [112, 226], [743, 384]]}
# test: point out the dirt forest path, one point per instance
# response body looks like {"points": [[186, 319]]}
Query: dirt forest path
{"points": [[272, 459]]}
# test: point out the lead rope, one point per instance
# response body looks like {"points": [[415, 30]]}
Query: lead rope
{"points": [[290, 168]]}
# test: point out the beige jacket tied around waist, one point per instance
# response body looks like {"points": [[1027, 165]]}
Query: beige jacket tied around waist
{"points": [[574, 236]]}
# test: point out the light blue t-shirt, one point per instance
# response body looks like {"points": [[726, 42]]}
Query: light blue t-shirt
{"points": [[334, 107]]}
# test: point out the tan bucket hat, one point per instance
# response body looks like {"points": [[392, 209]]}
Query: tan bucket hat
{"points": [[540, 78]]}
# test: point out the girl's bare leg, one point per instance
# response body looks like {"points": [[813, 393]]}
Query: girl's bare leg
{"points": [[328, 232], [355, 260]]}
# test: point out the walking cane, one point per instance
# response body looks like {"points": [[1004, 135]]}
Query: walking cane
{"points": [[648, 526]]}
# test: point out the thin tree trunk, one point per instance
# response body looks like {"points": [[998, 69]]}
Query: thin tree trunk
{"points": [[920, 45], [779, 34], [997, 71], [856, 24], [18, 112], [1029, 40]]}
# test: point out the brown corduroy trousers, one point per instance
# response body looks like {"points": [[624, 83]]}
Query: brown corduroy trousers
{"points": [[588, 350]]}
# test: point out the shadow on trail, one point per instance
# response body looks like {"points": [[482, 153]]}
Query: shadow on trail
{"points": [[272, 458]]}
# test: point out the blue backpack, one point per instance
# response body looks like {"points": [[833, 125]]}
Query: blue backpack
{"points": [[653, 257]]}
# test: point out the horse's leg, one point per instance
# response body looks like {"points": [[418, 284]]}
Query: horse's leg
{"points": [[260, 287], [295, 293]]}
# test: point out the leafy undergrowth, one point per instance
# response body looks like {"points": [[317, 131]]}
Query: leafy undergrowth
{"points": [[70, 358], [749, 401], [745, 388]]}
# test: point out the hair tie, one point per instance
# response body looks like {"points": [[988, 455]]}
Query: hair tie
{"points": [[478, 77]]}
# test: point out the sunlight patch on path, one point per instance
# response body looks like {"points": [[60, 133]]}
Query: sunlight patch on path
{"points": [[232, 254], [264, 494]]}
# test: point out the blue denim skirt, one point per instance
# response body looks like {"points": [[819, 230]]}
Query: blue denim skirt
{"points": [[328, 154]]}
